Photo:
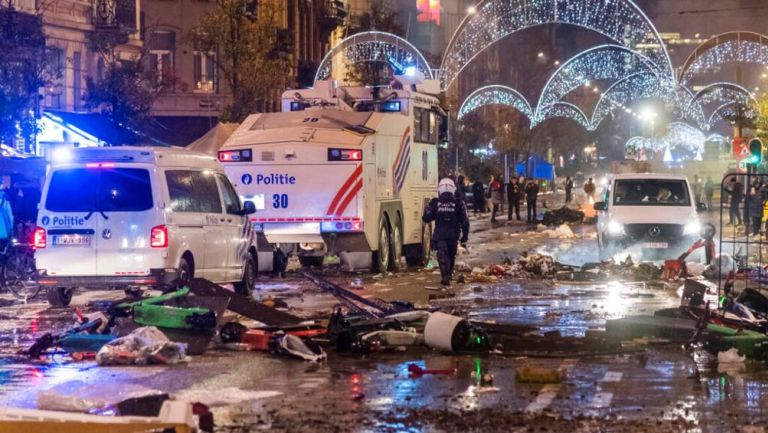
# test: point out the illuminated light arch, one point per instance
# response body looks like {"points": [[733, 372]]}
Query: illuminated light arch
{"points": [[563, 110], [720, 112], [731, 47], [619, 20], [604, 62], [495, 95], [724, 92], [373, 46]]}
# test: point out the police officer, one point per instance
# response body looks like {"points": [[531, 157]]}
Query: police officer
{"points": [[451, 224]]}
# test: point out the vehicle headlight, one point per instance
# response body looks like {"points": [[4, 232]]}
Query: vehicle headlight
{"points": [[692, 228], [615, 228]]}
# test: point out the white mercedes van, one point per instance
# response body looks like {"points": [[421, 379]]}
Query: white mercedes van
{"points": [[130, 217], [653, 214]]}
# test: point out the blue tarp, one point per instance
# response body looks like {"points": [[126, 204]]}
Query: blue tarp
{"points": [[537, 168]]}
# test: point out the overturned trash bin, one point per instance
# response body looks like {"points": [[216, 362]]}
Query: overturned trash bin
{"points": [[454, 334]]}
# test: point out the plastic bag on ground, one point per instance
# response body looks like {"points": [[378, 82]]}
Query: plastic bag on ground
{"points": [[146, 345], [730, 356], [78, 396], [296, 347]]}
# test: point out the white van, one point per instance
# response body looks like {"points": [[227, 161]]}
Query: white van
{"points": [[651, 214], [130, 217]]}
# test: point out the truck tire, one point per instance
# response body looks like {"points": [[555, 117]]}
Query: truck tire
{"points": [[420, 254], [60, 296], [396, 249], [245, 286], [185, 273], [311, 261], [382, 256]]}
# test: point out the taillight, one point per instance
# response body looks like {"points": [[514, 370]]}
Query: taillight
{"points": [[159, 237], [40, 238]]}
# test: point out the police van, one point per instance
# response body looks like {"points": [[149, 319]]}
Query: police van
{"points": [[342, 170], [130, 217]]}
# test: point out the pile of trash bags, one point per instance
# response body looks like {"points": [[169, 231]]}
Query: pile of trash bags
{"points": [[557, 217], [146, 345], [527, 266]]}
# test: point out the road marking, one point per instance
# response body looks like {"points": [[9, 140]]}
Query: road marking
{"points": [[549, 392], [612, 376], [601, 400], [544, 399]]}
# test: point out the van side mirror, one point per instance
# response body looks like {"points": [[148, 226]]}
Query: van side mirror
{"points": [[601, 205], [248, 208], [701, 207]]}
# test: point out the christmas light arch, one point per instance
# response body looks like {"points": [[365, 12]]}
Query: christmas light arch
{"points": [[566, 110], [495, 95], [622, 21], [604, 62], [723, 92], [731, 47], [371, 47]]}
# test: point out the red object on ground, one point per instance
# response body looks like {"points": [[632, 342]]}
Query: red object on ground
{"points": [[257, 339]]}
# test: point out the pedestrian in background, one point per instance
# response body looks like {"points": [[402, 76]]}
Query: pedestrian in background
{"points": [[697, 187], [736, 191], [568, 189], [753, 210], [514, 195], [531, 195], [461, 188], [497, 197], [478, 197], [709, 191], [589, 190], [451, 226]]}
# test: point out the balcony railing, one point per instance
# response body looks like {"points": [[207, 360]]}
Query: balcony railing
{"points": [[116, 14]]}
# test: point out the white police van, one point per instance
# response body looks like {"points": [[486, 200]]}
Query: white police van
{"points": [[130, 217]]}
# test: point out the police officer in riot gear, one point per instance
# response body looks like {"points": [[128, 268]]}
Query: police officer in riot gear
{"points": [[451, 225]]}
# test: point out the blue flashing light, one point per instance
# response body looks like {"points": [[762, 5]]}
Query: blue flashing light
{"points": [[341, 226]]}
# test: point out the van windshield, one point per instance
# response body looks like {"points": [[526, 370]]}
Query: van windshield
{"points": [[651, 192], [99, 190]]}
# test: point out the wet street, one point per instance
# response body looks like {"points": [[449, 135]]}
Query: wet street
{"points": [[658, 387]]}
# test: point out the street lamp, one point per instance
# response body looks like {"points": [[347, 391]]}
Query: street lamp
{"points": [[648, 115], [471, 10]]}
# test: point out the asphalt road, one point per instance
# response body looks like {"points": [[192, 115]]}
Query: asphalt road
{"points": [[666, 388]]}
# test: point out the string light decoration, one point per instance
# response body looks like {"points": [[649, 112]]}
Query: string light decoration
{"points": [[723, 92], [564, 110], [495, 95], [731, 47], [371, 46], [605, 62], [622, 21]]}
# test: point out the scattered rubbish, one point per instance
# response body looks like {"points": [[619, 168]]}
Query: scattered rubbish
{"points": [[355, 302], [357, 284], [453, 334], [416, 371], [730, 356], [561, 232], [557, 217], [242, 304], [147, 345], [538, 374], [294, 346], [78, 396], [172, 415]]}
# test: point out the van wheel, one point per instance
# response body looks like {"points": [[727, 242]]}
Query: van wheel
{"points": [[245, 286], [311, 261], [60, 296], [396, 250], [420, 254], [381, 262], [184, 274]]}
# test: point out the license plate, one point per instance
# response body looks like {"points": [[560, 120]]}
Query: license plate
{"points": [[656, 245], [72, 240]]}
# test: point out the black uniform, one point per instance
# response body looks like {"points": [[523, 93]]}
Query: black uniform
{"points": [[451, 225], [514, 195], [478, 197], [568, 190], [531, 195]]}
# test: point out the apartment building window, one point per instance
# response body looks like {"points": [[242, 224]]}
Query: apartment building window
{"points": [[205, 72], [161, 49]]}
